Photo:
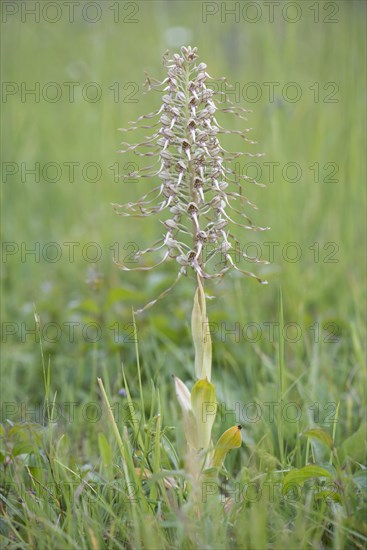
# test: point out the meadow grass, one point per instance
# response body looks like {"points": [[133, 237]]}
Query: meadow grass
{"points": [[68, 480]]}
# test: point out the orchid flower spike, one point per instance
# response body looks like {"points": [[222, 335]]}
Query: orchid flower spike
{"points": [[198, 183]]}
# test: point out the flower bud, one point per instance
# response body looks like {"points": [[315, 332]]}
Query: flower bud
{"points": [[230, 439]]}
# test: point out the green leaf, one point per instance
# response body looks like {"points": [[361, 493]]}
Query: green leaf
{"points": [[23, 447], [320, 435], [354, 446], [201, 335], [210, 472], [327, 495], [189, 420], [360, 479], [204, 407], [230, 439], [207, 350], [37, 473], [104, 449], [27, 431], [197, 333], [299, 477]]}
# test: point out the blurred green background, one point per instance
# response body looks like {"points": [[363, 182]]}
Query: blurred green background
{"points": [[323, 53]]}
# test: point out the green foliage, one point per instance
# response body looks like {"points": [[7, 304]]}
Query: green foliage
{"points": [[65, 481]]}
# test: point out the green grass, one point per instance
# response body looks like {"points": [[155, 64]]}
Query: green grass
{"points": [[66, 479]]}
